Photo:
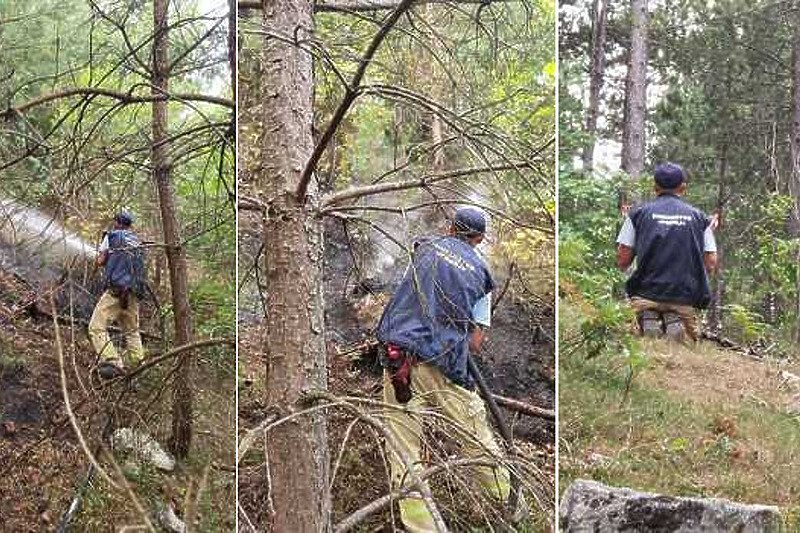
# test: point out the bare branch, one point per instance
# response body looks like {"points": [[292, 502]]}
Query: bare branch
{"points": [[355, 6], [351, 93], [424, 181], [375, 506], [128, 98]]}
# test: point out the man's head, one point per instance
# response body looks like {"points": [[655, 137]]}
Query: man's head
{"points": [[469, 223], [670, 178], [123, 220]]}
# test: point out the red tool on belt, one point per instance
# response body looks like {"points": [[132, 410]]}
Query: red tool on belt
{"points": [[399, 366]]}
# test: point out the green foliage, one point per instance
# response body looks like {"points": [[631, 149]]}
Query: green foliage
{"points": [[588, 272], [749, 325], [669, 441], [713, 112]]}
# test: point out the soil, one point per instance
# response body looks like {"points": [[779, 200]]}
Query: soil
{"points": [[39, 458], [685, 372], [41, 461]]}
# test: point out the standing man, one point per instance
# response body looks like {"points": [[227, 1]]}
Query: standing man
{"points": [[432, 323], [674, 246], [122, 257]]}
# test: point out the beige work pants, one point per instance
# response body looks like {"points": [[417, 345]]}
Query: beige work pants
{"points": [[686, 313], [109, 309], [465, 408]]}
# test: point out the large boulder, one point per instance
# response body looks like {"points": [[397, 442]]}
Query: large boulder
{"points": [[592, 506]]}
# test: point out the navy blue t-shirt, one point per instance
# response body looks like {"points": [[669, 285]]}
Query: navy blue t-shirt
{"points": [[431, 312], [669, 252]]}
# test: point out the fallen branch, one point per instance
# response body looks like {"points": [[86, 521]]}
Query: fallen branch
{"points": [[728, 344], [524, 408]]}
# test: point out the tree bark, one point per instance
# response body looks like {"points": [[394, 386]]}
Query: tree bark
{"points": [[596, 78], [232, 45], [795, 144], [716, 312], [293, 331], [182, 395], [633, 134]]}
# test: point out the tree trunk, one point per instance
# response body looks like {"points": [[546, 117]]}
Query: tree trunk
{"points": [[596, 78], [633, 134], [232, 44], [293, 244], [181, 438], [717, 299], [795, 142]]}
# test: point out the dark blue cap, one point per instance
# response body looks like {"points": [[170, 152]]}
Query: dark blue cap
{"points": [[669, 175], [124, 218], [470, 220]]}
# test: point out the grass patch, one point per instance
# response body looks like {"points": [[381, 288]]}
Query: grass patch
{"points": [[10, 363], [700, 422]]}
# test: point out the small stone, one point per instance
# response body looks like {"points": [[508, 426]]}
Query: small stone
{"points": [[9, 427], [143, 447], [169, 520], [794, 405]]}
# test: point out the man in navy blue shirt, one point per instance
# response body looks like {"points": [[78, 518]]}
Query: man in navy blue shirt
{"points": [[118, 303], [432, 323], [674, 247]]}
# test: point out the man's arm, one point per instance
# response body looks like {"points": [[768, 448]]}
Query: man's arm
{"points": [[625, 244], [482, 319], [624, 256], [710, 247], [710, 262], [102, 252]]}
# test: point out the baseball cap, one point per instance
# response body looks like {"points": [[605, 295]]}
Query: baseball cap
{"points": [[470, 220], [669, 175], [124, 218]]}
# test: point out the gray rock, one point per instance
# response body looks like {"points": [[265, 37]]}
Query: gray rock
{"points": [[589, 506], [143, 447], [794, 405], [169, 520]]}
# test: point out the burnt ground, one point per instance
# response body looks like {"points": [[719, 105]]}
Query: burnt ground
{"points": [[39, 455], [518, 362], [41, 461], [518, 358]]}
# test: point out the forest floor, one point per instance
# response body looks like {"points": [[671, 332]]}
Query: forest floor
{"points": [[41, 461], [700, 421]]}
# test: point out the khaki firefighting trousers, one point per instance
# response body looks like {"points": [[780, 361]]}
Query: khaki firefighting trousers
{"points": [[109, 309], [686, 313], [432, 390]]}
